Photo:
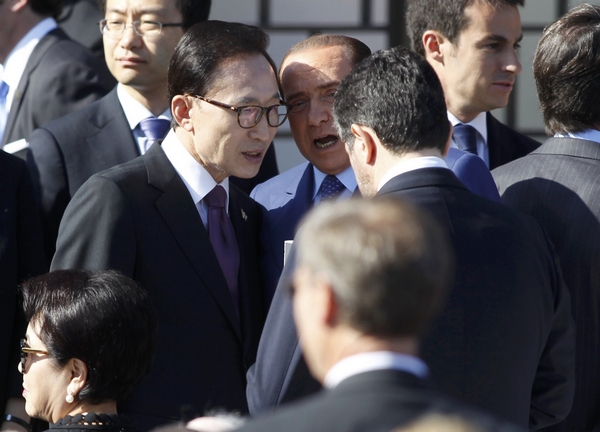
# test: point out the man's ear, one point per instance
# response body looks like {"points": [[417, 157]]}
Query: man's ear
{"points": [[433, 42], [365, 146], [181, 107], [79, 376]]}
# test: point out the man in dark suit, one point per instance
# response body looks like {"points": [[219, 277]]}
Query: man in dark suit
{"points": [[504, 341], [370, 277], [66, 152], [472, 45], [171, 220], [558, 185], [46, 75], [21, 256]]}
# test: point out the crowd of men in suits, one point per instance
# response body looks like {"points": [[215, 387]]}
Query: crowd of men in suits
{"points": [[422, 282]]}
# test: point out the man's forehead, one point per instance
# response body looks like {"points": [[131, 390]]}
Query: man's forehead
{"points": [[494, 20], [141, 6]]}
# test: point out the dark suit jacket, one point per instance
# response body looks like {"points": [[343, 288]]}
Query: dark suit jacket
{"points": [[376, 401], [21, 256], [504, 343], [61, 76], [505, 144], [139, 218], [558, 185]]}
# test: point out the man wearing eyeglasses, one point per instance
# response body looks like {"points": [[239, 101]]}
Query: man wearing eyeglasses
{"points": [[173, 221], [139, 38]]}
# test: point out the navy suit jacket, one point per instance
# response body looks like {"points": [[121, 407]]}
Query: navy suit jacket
{"points": [[505, 341], [505, 144], [61, 76], [139, 218], [558, 185]]}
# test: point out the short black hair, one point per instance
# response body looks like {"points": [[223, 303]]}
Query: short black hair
{"points": [[46, 8], [396, 93], [192, 11], [103, 319], [205, 47], [566, 67], [444, 16]]}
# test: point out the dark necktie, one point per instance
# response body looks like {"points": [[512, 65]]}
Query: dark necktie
{"points": [[3, 112], [222, 238], [465, 137], [154, 129], [331, 188]]}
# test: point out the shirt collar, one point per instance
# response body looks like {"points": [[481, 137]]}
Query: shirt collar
{"points": [[587, 134], [17, 59], [411, 165], [197, 180], [371, 361], [346, 177], [134, 111], [479, 123]]}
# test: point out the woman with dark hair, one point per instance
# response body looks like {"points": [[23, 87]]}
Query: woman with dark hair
{"points": [[89, 342]]}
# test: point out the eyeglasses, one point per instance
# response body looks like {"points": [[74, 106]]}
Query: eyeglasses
{"points": [[25, 351], [115, 29], [249, 116]]}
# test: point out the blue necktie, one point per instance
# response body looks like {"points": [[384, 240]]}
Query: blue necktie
{"points": [[466, 138], [331, 188], [3, 111], [154, 129]]}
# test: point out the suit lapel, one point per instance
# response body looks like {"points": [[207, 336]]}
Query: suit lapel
{"points": [[181, 216], [113, 142]]}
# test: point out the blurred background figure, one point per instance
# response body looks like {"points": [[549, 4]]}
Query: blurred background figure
{"points": [[90, 340]]}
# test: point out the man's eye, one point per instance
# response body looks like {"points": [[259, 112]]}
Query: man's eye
{"points": [[329, 96], [297, 106]]}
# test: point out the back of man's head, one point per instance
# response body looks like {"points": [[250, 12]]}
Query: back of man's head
{"points": [[396, 93], [566, 68], [444, 16], [388, 263], [192, 11], [205, 47]]}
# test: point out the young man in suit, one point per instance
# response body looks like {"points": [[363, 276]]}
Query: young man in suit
{"points": [[371, 276], [472, 45], [46, 75], [65, 153], [172, 221], [558, 185], [505, 340]]}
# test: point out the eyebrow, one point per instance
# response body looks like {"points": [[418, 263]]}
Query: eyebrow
{"points": [[138, 12], [499, 38], [319, 87], [250, 100]]}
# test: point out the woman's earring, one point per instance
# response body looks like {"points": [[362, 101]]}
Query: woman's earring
{"points": [[69, 398]]}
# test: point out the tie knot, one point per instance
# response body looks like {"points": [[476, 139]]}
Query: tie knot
{"points": [[216, 197], [331, 187], [465, 136], [155, 128]]}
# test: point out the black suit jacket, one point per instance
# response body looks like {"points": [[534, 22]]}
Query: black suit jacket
{"points": [[376, 401], [21, 256], [60, 76], [139, 218], [505, 340], [505, 144], [558, 185]]}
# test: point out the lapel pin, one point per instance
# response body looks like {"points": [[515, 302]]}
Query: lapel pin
{"points": [[244, 216]]}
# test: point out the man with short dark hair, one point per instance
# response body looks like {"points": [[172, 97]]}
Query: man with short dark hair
{"points": [[371, 276], [45, 74], [505, 341], [558, 185], [172, 221], [472, 45]]}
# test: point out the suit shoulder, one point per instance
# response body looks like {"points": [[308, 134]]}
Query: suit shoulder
{"points": [[275, 188]]}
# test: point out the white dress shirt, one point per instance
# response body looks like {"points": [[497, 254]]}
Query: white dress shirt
{"points": [[372, 361], [135, 112], [411, 165], [346, 177], [17, 59], [480, 125], [195, 177], [587, 134]]}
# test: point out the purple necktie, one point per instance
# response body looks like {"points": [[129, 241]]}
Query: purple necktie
{"points": [[331, 188], [154, 129], [222, 238], [466, 138]]}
